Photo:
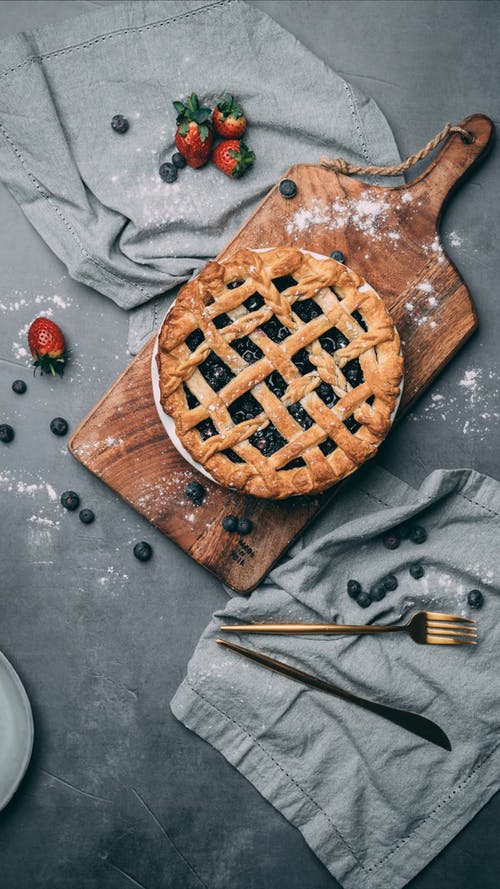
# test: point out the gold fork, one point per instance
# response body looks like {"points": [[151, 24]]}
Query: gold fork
{"points": [[425, 627]]}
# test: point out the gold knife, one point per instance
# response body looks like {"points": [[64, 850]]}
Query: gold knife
{"points": [[412, 722]]}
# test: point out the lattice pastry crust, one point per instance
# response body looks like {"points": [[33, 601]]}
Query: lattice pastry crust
{"points": [[280, 371]]}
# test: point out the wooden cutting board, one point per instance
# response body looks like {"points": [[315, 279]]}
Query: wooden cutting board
{"points": [[388, 235]]}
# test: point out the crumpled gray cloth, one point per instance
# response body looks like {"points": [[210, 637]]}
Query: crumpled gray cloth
{"points": [[96, 197], [374, 802]]}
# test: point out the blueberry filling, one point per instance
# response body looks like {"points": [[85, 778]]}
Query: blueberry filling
{"points": [[244, 408], [351, 424], [327, 395], [332, 340], [234, 284], [327, 446], [215, 372], [307, 309], [301, 361], [191, 399], [353, 373], [206, 429], [232, 456], [370, 399], [254, 302], [275, 330], [276, 384], [194, 339], [283, 282], [267, 440], [359, 318], [300, 415], [248, 350], [222, 321], [295, 464]]}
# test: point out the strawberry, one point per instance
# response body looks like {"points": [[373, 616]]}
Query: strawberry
{"points": [[194, 135], [228, 118], [233, 157], [47, 346]]}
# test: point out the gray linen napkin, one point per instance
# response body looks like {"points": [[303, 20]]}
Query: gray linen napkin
{"points": [[96, 197], [374, 802]]}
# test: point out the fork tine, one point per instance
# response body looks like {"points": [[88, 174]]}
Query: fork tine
{"points": [[448, 625], [448, 640], [439, 631], [439, 616]]}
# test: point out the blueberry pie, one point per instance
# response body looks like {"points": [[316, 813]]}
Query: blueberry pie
{"points": [[280, 370]]}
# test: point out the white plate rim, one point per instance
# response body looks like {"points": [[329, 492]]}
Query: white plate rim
{"points": [[167, 421], [28, 736]]}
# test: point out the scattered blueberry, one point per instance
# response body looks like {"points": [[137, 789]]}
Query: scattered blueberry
{"points": [[230, 523], [168, 172], [377, 592], [364, 600], [391, 541], [390, 582], [354, 588], [86, 516], [6, 433], [338, 255], [70, 500], [119, 123], [195, 492], [416, 570], [143, 551], [59, 426], [287, 188], [475, 598], [244, 526], [417, 534], [19, 387], [178, 160]]}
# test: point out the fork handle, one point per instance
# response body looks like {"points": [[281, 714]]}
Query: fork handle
{"points": [[314, 629]]}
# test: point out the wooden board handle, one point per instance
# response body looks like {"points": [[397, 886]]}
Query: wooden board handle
{"points": [[456, 158]]}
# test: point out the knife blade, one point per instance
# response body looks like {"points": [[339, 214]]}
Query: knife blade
{"points": [[406, 719]]}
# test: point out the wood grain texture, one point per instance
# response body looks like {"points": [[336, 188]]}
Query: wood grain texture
{"points": [[388, 235]]}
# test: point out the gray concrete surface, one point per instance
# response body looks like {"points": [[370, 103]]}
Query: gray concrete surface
{"points": [[118, 793]]}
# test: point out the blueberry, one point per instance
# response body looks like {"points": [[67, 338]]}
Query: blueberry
{"points": [[364, 600], [168, 172], [143, 551], [59, 426], [416, 570], [70, 500], [244, 526], [354, 588], [338, 255], [390, 582], [377, 591], [119, 123], [230, 523], [6, 433], [19, 387], [253, 302], [86, 516], [178, 160], [475, 598], [391, 541], [417, 534], [287, 188], [195, 492]]}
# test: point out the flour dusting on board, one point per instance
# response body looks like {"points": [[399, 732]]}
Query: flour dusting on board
{"points": [[369, 215]]}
